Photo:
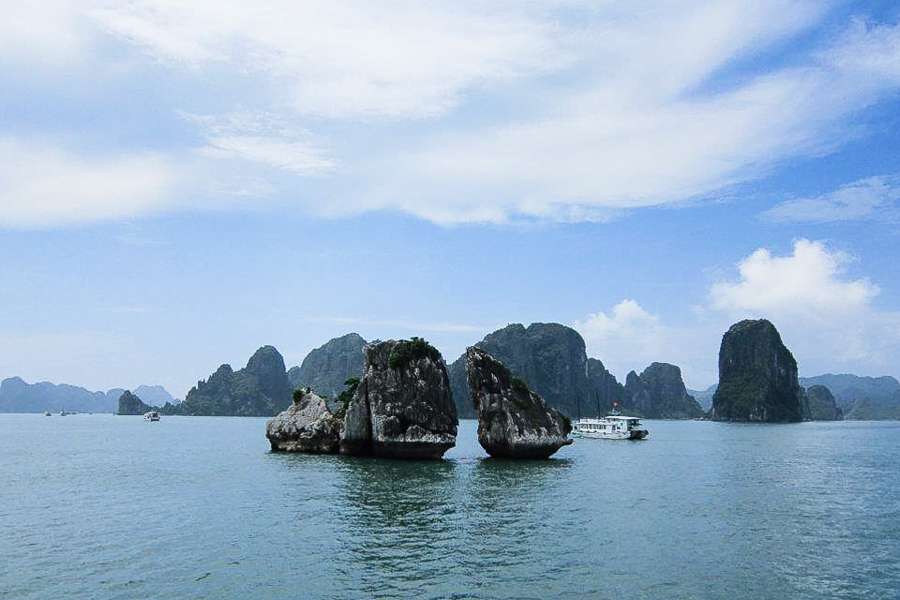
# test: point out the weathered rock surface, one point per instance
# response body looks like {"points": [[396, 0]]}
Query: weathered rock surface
{"points": [[325, 369], [306, 426], [513, 421], [402, 407], [659, 393], [261, 389], [820, 405], [129, 404], [551, 358], [757, 376]]}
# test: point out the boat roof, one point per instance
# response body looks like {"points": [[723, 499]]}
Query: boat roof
{"points": [[616, 417]]}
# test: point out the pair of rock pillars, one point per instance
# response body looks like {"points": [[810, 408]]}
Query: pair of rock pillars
{"points": [[402, 408]]}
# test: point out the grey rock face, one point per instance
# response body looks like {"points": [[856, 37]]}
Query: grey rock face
{"points": [[306, 426], [659, 393], [604, 388], [402, 407], [326, 368], [513, 421], [261, 389], [129, 404], [757, 376]]}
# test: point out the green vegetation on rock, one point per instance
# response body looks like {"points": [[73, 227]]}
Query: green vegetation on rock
{"points": [[413, 349], [346, 396]]}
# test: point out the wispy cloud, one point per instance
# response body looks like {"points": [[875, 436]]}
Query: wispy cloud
{"points": [[589, 109], [263, 138], [645, 137], [871, 198], [346, 58]]}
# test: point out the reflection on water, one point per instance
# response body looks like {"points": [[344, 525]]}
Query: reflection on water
{"points": [[407, 526]]}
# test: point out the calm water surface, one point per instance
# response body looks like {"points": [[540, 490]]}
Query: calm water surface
{"points": [[191, 507]]}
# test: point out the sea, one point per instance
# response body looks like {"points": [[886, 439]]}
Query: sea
{"points": [[103, 506]]}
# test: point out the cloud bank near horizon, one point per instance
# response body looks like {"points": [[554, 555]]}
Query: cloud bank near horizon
{"points": [[829, 321]]}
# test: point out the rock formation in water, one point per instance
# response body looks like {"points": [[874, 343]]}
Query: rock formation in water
{"points": [[551, 358], [308, 425], [757, 376], [659, 393], [820, 405], [261, 389], [513, 421], [402, 406], [325, 369], [130, 404]]}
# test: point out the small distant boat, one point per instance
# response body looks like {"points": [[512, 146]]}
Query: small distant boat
{"points": [[151, 416], [612, 427], [63, 413], [47, 413]]}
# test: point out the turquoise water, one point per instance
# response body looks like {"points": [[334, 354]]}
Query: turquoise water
{"points": [[192, 507]]}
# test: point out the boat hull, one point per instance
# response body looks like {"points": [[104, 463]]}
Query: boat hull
{"points": [[635, 434]]}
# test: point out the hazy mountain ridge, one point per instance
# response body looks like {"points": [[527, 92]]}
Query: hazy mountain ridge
{"points": [[17, 395], [848, 389], [704, 397]]}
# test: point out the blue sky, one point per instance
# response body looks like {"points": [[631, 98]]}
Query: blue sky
{"points": [[182, 185]]}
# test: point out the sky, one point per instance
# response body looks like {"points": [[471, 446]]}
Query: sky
{"points": [[181, 183]]}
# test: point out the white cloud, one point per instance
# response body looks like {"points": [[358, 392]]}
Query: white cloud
{"points": [[829, 321], [870, 198], [43, 184], [629, 337], [807, 283]]}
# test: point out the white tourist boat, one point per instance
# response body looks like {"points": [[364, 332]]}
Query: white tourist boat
{"points": [[612, 427], [151, 416]]}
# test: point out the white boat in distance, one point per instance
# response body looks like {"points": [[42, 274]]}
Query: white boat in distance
{"points": [[612, 427], [151, 416]]}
